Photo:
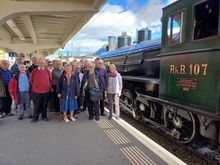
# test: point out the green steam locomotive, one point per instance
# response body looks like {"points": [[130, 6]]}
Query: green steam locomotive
{"points": [[175, 82]]}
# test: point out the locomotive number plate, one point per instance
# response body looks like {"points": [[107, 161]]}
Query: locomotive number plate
{"points": [[192, 69]]}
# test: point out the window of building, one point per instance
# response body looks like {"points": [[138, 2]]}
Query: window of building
{"points": [[175, 28], [134, 58], [206, 19]]}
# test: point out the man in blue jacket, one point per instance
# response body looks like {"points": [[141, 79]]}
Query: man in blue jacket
{"points": [[100, 68]]}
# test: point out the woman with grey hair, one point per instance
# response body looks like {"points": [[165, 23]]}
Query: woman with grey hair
{"points": [[114, 88], [19, 88], [68, 92]]}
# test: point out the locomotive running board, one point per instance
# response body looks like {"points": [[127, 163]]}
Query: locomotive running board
{"points": [[204, 112]]}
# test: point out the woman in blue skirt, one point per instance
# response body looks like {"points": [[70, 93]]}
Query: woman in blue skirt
{"points": [[68, 91]]}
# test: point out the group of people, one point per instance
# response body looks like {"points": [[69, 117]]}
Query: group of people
{"points": [[62, 87]]}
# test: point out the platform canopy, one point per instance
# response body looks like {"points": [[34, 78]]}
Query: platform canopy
{"points": [[42, 26]]}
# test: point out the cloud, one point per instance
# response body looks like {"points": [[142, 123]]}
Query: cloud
{"points": [[113, 19], [85, 45]]}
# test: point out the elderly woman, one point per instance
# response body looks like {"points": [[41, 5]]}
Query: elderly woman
{"points": [[92, 80], [19, 88], [68, 91], [114, 88]]}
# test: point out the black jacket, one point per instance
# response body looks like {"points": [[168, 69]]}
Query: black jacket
{"points": [[62, 86], [100, 80]]}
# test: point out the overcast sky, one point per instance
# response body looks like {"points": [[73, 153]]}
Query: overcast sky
{"points": [[114, 17]]}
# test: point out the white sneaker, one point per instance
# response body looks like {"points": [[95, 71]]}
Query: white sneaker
{"points": [[66, 120], [72, 119]]}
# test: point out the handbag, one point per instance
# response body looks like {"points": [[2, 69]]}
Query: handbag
{"points": [[96, 93]]}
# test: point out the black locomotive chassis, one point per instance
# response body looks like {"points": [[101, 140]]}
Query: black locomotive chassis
{"points": [[214, 116]]}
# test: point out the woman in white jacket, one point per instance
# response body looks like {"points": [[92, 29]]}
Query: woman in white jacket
{"points": [[114, 88]]}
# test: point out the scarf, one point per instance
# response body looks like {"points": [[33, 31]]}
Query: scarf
{"points": [[112, 74]]}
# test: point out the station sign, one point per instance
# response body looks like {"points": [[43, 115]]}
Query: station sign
{"points": [[12, 54]]}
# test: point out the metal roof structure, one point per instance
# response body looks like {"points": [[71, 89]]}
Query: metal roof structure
{"points": [[42, 26], [132, 49]]}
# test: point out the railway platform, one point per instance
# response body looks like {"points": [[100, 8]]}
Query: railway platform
{"points": [[84, 142]]}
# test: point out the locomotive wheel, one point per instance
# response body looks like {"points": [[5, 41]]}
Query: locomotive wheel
{"points": [[182, 125], [128, 99]]}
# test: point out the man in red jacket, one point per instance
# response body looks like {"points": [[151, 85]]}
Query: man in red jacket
{"points": [[40, 80]]}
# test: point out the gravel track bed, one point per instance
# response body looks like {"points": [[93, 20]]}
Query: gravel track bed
{"points": [[181, 152]]}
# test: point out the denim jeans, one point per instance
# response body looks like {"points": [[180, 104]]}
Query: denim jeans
{"points": [[24, 99]]}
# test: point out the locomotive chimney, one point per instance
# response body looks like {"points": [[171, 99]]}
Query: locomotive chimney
{"points": [[143, 35], [112, 44]]}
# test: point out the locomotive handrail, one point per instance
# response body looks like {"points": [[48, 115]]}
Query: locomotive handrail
{"points": [[188, 51], [157, 81], [214, 116]]}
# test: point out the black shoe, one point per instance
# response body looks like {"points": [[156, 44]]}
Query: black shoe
{"points": [[110, 117], [30, 116], [103, 114], [45, 119], [9, 114], [20, 118], [90, 118], [97, 118], [33, 121]]}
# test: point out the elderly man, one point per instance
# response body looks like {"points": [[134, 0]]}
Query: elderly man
{"points": [[73, 64], [14, 68], [100, 68], [92, 80], [56, 73], [34, 64], [40, 80], [5, 98]]}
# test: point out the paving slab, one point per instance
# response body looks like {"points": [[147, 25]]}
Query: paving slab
{"points": [[83, 142]]}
